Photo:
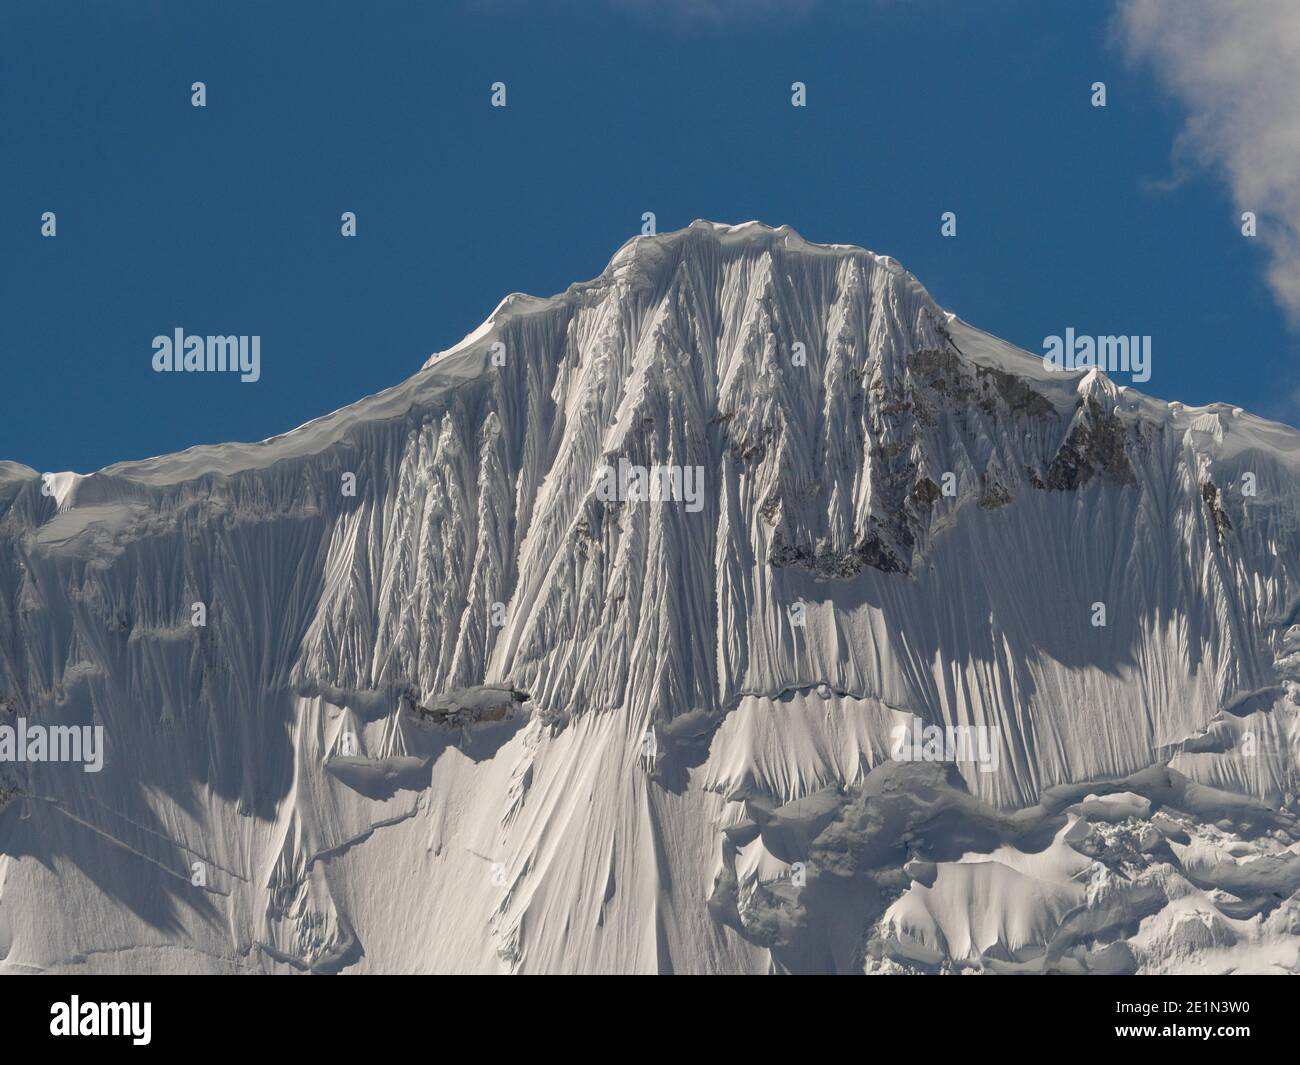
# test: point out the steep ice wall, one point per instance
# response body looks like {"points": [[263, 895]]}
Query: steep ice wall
{"points": [[902, 519]]}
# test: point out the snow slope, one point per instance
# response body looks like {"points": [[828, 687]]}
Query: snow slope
{"points": [[334, 773]]}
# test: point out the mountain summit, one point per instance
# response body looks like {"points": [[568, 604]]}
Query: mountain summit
{"points": [[738, 610]]}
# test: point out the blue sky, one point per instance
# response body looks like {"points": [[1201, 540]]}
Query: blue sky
{"points": [[225, 219]]}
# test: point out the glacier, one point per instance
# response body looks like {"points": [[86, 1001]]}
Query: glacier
{"points": [[454, 709]]}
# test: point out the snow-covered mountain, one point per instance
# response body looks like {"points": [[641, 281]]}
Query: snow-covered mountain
{"points": [[451, 707]]}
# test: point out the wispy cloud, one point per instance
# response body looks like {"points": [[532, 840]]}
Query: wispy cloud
{"points": [[1235, 65]]}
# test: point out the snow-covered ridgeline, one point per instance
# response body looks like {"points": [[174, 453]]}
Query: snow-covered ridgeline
{"points": [[832, 407]]}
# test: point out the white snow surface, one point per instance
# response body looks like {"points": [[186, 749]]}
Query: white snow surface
{"points": [[700, 778]]}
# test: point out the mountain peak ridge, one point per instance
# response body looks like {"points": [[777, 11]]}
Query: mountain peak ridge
{"points": [[623, 264], [646, 266]]}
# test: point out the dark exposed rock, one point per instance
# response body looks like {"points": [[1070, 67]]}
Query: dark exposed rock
{"points": [[993, 496], [1096, 445], [873, 551], [837, 565], [925, 492], [1019, 397], [468, 706], [945, 372], [1222, 524]]}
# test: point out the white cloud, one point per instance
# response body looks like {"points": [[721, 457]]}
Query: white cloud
{"points": [[1235, 65]]}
